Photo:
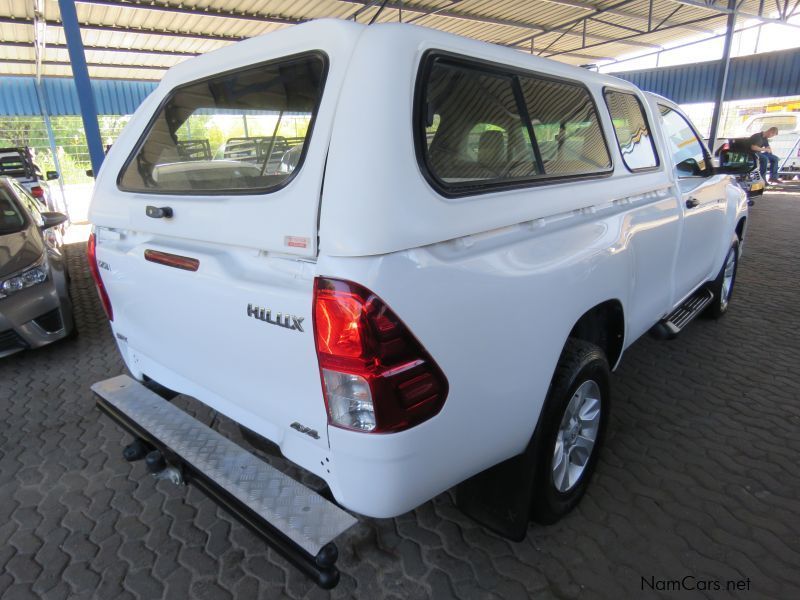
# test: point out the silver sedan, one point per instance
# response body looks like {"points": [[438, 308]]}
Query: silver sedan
{"points": [[35, 307]]}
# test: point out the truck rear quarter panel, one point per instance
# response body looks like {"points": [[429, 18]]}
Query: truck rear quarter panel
{"points": [[494, 310], [490, 284]]}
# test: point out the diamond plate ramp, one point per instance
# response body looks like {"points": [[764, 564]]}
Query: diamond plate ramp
{"points": [[307, 519]]}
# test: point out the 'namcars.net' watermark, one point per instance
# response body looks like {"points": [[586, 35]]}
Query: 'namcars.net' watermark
{"points": [[690, 583]]}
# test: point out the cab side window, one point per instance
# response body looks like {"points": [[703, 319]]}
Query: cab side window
{"points": [[632, 131], [473, 127], [690, 156], [485, 128]]}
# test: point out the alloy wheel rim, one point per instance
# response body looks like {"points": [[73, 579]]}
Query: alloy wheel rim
{"points": [[577, 435], [727, 278]]}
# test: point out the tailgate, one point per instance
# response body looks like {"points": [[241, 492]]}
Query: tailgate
{"points": [[236, 333], [223, 165]]}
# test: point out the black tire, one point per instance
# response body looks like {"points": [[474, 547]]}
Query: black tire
{"points": [[719, 305], [580, 362]]}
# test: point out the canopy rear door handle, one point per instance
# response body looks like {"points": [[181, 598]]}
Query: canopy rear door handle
{"points": [[158, 212], [692, 202]]}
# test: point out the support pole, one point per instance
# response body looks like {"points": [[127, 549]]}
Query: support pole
{"points": [[723, 75], [80, 73], [51, 138]]}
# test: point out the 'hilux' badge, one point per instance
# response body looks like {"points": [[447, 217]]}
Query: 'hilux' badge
{"points": [[265, 314]]}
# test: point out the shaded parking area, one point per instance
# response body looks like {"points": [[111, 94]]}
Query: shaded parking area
{"points": [[699, 481]]}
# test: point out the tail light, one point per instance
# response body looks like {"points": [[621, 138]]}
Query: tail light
{"points": [[91, 254], [37, 191], [376, 376]]}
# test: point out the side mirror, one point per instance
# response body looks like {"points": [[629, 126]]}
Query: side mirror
{"points": [[89, 173], [689, 167], [51, 175], [53, 219], [736, 162]]}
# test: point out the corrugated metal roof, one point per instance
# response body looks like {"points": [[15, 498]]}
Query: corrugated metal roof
{"points": [[188, 27], [137, 39], [112, 96], [767, 75]]}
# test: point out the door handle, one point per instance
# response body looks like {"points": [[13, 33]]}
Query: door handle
{"points": [[155, 212], [692, 202]]}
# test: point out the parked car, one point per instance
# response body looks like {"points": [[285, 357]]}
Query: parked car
{"points": [[18, 163], [735, 152], [432, 295], [35, 307]]}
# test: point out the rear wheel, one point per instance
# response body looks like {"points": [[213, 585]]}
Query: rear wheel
{"points": [[723, 284], [571, 429]]}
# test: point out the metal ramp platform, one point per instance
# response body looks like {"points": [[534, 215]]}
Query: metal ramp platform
{"points": [[296, 521]]}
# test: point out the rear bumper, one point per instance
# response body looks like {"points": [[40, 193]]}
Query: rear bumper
{"points": [[297, 522], [380, 475]]}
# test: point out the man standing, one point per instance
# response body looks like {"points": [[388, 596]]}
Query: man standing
{"points": [[759, 142]]}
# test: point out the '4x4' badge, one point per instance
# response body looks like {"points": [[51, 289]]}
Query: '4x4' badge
{"points": [[281, 320]]}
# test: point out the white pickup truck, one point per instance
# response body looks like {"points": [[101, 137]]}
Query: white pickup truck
{"points": [[430, 291]]}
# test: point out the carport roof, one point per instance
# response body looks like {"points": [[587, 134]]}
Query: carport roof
{"points": [[129, 39]]}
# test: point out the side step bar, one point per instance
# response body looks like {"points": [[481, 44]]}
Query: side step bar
{"points": [[679, 318], [296, 521]]}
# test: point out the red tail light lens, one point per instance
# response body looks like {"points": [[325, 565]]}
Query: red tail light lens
{"points": [[37, 191], [376, 376], [91, 255]]}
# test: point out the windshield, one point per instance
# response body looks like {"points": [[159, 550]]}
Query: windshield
{"points": [[11, 217]]}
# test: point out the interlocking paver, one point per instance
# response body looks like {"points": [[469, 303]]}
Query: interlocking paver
{"points": [[699, 477]]}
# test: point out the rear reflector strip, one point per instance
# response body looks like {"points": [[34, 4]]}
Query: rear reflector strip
{"points": [[172, 260]]}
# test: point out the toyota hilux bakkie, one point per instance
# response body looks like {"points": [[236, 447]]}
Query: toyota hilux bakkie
{"points": [[428, 291]]}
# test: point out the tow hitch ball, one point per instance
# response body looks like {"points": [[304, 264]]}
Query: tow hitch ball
{"points": [[136, 450], [154, 460]]}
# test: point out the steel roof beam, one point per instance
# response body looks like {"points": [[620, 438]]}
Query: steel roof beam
{"points": [[137, 30], [66, 63], [203, 12], [106, 49], [224, 38], [628, 14], [742, 13], [537, 29], [567, 26], [559, 52], [28, 45]]}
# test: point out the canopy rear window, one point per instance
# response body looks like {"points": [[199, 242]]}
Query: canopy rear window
{"points": [[243, 132]]}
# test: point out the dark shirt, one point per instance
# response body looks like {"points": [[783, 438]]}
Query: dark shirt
{"points": [[759, 139]]}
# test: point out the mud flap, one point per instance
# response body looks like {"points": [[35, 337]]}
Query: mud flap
{"points": [[499, 498]]}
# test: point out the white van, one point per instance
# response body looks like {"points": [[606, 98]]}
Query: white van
{"points": [[431, 292]]}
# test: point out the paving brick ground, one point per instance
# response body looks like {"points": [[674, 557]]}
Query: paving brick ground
{"points": [[699, 477]]}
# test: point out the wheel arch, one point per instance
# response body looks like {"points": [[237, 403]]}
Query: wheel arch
{"points": [[604, 326]]}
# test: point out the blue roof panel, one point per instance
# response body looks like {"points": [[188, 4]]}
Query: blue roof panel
{"points": [[767, 75], [112, 96]]}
